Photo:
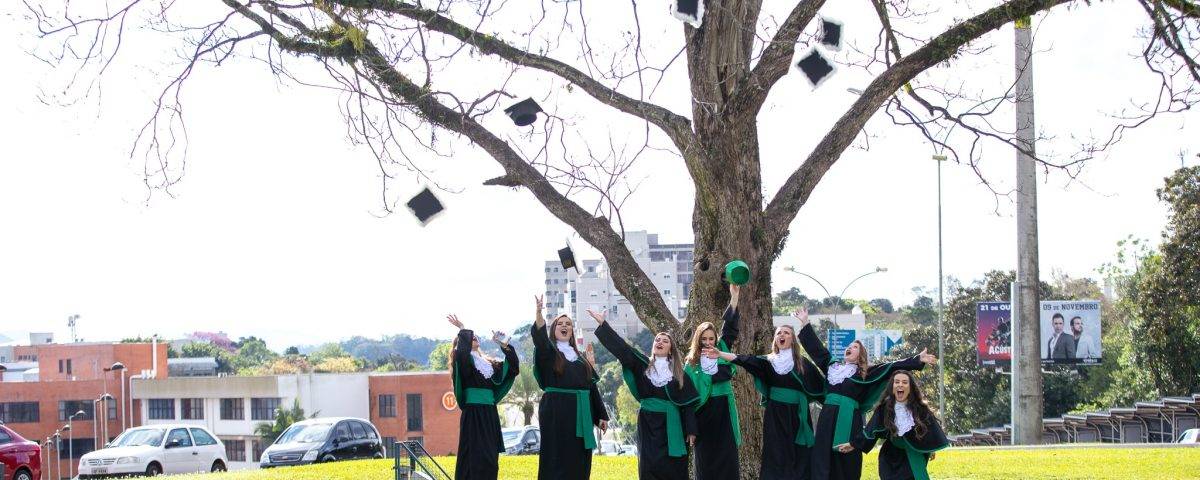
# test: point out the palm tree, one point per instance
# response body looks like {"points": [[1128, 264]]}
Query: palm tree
{"points": [[524, 394], [284, 418]]}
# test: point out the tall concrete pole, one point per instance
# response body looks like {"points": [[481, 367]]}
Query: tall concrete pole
{"points": [[1027, 418]]}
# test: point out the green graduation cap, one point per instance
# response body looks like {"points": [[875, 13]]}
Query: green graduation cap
{"points": [[737, 272]]}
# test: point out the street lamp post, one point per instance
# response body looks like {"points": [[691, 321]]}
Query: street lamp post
{"points": [[57, 453], [71, 443], [104, 399], [840, 295], [118, 366], [70, 451], [941, 305]]}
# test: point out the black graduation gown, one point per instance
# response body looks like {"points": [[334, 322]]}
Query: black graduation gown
{"points": [[782, 458], [563, 454], [654, 459], [479, 439], [828, 463], [716, 452], [893, 459]]}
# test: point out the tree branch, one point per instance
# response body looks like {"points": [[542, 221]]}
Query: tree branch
{"points": [[776, 59], [795, 191], [677, 127]]}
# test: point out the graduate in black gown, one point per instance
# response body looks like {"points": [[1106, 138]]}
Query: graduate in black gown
{"points": [[571, 405], [718, 436], [851, 386], [479, 383], [910, 431], [787, 382], [666, 422]]}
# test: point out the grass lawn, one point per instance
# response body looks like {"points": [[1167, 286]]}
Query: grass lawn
{"points": [[1080, 463]]}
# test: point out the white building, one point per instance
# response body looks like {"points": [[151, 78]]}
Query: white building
{"points": [[669, 266], [231, 407]]}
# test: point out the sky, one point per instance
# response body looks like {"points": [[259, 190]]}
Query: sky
{"points": [[277, 229]]}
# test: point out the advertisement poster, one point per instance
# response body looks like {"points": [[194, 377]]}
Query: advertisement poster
{"points": [[1070, 332], [993, 333]]}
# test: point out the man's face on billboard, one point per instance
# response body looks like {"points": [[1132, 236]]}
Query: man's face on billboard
{"points": [[1077, 325], [1058, 325]]}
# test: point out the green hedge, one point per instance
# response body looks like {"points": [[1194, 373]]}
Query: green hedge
{"points": [[1075, 463]]}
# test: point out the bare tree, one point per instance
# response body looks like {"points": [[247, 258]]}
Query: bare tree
{"points": [[411, 72]]}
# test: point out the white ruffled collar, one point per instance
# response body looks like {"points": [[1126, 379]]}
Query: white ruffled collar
{"points": [[708, 365], [783, 362], [659, 371], [904, 419], [567, 350], [839, 372], [482, 365]]}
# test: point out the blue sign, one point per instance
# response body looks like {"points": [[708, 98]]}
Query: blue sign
{"points": [[839, 341]]}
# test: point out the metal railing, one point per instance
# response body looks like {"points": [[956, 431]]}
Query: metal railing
{"points": [[412, 462]]}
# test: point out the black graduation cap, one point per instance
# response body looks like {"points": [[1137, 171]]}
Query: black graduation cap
{"points": [[523, 112], [567, 258], [815, 67], [831, 33], [690, 11], [425, 206]]}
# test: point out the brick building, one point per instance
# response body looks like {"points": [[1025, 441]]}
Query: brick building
{"points": [[63, 379], [416, 406]]}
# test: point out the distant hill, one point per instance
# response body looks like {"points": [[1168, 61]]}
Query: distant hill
{"points": [[416, 349]]}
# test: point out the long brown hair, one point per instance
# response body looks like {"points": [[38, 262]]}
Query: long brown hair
{"points": [[863, 362], [797, 360], [560, 360], [672, 355], [496, 363], [916, 403], [693, 356]]}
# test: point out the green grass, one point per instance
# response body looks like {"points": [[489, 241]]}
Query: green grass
{"points": [[1076, 463]]}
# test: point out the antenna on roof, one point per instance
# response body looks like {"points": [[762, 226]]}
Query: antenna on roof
{"points": [[71, 320]]}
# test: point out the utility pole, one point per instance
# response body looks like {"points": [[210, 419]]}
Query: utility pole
{"points": [[1027, 371], [941, 304]]}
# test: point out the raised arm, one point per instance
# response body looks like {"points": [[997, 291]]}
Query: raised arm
{"points": [[756, 366], [808, 339], [462, 350], [616, 345], [542, 347], [729, 326], [510, 355], [915, 362]]}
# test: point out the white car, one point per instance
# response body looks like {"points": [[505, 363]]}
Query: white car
{"points": [[156, 450], [1190, 436]]}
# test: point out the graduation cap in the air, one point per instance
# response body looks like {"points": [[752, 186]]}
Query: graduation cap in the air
{"points": [[567, 258], [690, 11], [816, 67], [425, 206], [831, 33], [523, 112]]}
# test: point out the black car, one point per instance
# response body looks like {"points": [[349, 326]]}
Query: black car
{"points": [[324, 440]]}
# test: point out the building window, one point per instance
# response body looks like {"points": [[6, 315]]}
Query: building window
{"points": [[667, 292], [112, 410], [389, 446], [19, 412], [416, 420], [233, 409], [76, 448], [192, 408], [256, 446], [235, 450], [162, 409], [68, 366], [387, 406], [66, 408], [60, 365], [263, 408]]}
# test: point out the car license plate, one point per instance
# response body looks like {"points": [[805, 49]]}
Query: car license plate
{"points": [[99, 470]]}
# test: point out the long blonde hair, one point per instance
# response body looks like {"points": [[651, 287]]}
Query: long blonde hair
{"points": [[797, 360], [693, 356]]}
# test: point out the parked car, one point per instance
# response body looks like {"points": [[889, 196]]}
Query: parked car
{"points": [[21, 459], [608, 447], [156, 450], [324, 440], [1190, 436], [525, 440]]}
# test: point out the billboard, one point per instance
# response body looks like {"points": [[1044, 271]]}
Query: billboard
{"points": [[877, 342], [1070, 332], [993, 333]]}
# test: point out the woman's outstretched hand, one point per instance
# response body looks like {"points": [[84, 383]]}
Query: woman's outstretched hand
{"points": [[453, 319], [927, 358], [801, 315], [599, 317]]}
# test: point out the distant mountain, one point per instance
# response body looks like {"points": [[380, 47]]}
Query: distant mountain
{"points": [[416, 349]]}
